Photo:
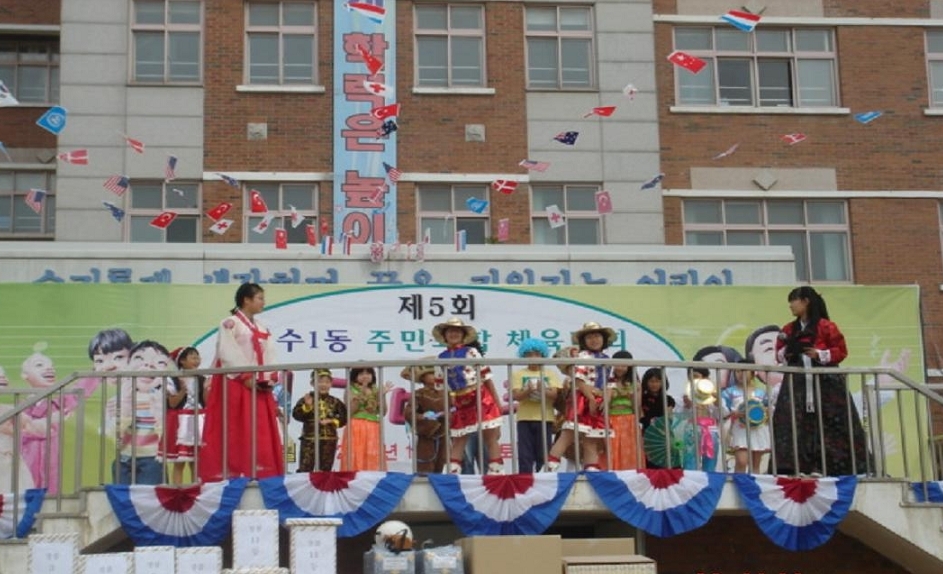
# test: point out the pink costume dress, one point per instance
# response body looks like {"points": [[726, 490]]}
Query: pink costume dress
{"points": [[241, 343]]}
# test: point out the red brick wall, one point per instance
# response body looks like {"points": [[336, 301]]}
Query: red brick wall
{"points": [[877, 9], [30, 12]]}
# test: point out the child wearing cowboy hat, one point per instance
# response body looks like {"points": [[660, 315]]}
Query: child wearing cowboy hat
{"points": [[534, 388], [321, 425], [425, 412], [465, 383]]}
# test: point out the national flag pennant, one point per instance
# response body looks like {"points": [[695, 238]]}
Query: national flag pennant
{"points": [[476, 205], [311, 235], [604, 111], [531, 165], [793, 139], [117, 184], [262, 226], [34, 199], [504, 186], [743, 21], [867, 117], [221, 226], [116, 211], [568, 138], [629, 91], [461, 240], [555, 217], [136, 145], [690, 63], [373, 11], [170, 172], [281, 239], [504, 229], [219, 211], [653, 182], [375, 88], [6, 96], [325, 229], [392, 173], [603, 202], [384, 112], [296, 218], [388, 127], [729, 151], [348, 242], [327, 245], [75, 157], [163, 220], [229, 180], [256, 203], [374, 65]]}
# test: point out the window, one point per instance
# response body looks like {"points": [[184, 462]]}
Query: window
{"points": [[30, 69], [450, 46], [150, 199], [578, 204], [817, 231], [279, 199], [167, 43], [935, 66], [280, 43], [559, 47], [443, 210], [772, 67], [17, 218]]}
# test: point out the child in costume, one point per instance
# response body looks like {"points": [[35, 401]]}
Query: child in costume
{"points": [[702, 441], [464, 383], [141, 416], [186, 397], [534, 388], [571, 398], [426, 414], [654, 401], [621, 394], [319, 428], [361, 449], [746, 406]]}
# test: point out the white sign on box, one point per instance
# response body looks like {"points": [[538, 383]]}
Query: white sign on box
{"points": [[113, 563], [255, 539], [53, 553], [154, 560], [199, 560]]}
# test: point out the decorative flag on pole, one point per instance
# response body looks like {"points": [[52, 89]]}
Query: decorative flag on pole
{"points": [[388, 127], [136, 145], [555, 216], [170, 172], [6, 154], [262, 226], [743, 21], [868, 117], [281, 239], [117, 184], [504, 229], [603, 202], [257, 204], [219, 211], [311, 235], [384, 112], [54, 120], [34, 199], [375, 88], [568, 138], [793, 139], [374, 65], [476, 205], [505, 186], [531, 165], [629, 91], [392, 173], [604, 111], [348, 242], [296, 218], [461, 240], [163, 220], [25, 506], [690, 63], [729, 151], [6, 96], [373, 12], [327, 245], [75, 157], [230, 180], [221, 226], [116, 211], [653, 182]]}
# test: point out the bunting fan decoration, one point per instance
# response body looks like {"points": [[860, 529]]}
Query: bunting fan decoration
{"points": [[797, 513], [931, 491], [27, 504], [663, 502], [361, 499], [199, 515], [503, 504]]}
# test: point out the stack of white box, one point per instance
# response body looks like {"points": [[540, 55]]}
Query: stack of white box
{"points": [[53, 554], [313, 545]]}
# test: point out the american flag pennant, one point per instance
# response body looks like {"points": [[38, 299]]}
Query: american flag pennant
{"points": [[256, 203], [568, 138], [262, 226], [296, 218], [793, 139], [136, 145], [653, 182], [75, 157], [388, 127], [219, 211], [163, 220], [690, 63], [281, 239], [348, 242], [327, 245], [504, 229], [729, 151], [116, 211], [311, 235], [384, 112], [6, 96], [170, 168], [603, 202], [6, 154], [531, 165], [34, 199], [555, 217], [604, 111], [221, 226], [374, 65], [476, 205], [743, 21], [375, 88], [117, 184], [392, 173], [504, 186], [461, 240], [629, 91]]}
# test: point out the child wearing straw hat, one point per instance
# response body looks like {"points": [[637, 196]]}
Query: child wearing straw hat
{"points": [[425, 414], [466, 383], [319, 427]]}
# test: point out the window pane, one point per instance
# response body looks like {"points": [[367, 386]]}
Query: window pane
{"points": [[31, 83], [813, 41], [829, 256], [541, 19], [775, 83], [147, 196], [816, 83], [24, 218], [440, 230], [702, 212], [772, 41], [935, 41], [269, 193], [575, 19], [29, 180], [180, 196], [298, 14], [298, 234], [581, 198], [268, 235], [583, 231], [301, 196], [545, 235], [49, 212], [263, 14], [54, 85], [542, 197], [466, 61], [149, 11], [826, 212], [542, 62], [466, 17], [431, 17], [936, 79], [299, 58], [736, 82], [475, 230], [435, 199], [263, 59], [742, 212], [703, 238], [576, 58], [796, 240], [785, 212], [697, 89], [732, 40], [184, 12], [184, 56], [183, 229], [143, 232], [149, 56], [744, 238], [693, 39], [432, 55], [33, 54]]}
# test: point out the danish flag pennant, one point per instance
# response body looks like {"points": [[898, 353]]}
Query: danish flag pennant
{"points": [[663, 502], [793, 139], [505, 186], [374, 65], [257, 204], [75, 157], [797, 513], [136, 145], [199, 515], [27, 504], [503, 504], [361, 499]]}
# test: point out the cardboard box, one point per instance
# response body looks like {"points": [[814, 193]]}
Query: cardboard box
{"points": [[598, 546], [511, 554], [440, 560], [379, 561], [609, 564]]}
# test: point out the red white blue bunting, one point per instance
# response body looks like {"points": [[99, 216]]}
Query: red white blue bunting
{"points": [[27, 504], [199, 515], [361, 499], [662, 502], [797, 513], [503, 504], [931, 491]]}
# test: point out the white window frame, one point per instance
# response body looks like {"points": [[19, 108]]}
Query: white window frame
{"points": [[792, 56], [935, 94], [561, 35], [458, 213], [450, 34], [169, 202], [167, 29], [805, 265], [570, 213], [16, 200], [280, 210], [23, 58], [280, 31]]}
